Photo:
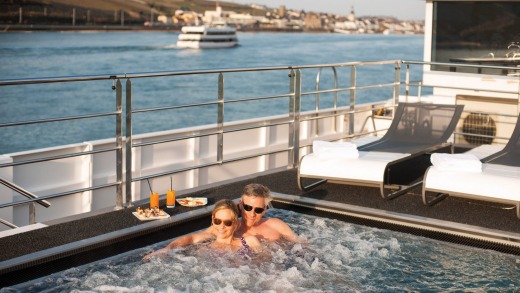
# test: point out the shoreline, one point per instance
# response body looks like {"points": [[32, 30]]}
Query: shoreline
{"points": [[61, 27], [53, 27], [7, 28]]}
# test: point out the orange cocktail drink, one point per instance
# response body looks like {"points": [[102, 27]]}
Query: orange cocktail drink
{"points": [[170, 198], [154, 200]]}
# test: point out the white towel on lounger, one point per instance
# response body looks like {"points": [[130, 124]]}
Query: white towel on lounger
{"points": [[456, 162], [326, 149]]}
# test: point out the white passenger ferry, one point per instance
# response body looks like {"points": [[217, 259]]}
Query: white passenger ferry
{"points": [[215, 35]]}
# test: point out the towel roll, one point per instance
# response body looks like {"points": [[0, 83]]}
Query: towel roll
{"points": [[456, 162], [326, 149]]}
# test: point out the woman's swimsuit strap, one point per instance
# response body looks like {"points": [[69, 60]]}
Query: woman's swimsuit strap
{"points": [[245, 249]]}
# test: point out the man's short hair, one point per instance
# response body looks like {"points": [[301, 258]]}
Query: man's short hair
{"points": [[257, 190]]}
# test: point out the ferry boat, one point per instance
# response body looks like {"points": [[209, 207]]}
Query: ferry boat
{"points": [[82, 210], [215, 35]]}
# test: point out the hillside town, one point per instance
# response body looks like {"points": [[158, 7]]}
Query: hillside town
{"points": [[149, 15], [283, 19]]}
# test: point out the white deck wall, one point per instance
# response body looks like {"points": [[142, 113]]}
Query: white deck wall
{"points": [[80, 172]]}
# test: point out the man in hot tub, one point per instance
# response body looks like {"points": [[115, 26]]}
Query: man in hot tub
{"points": [[253, 205]]}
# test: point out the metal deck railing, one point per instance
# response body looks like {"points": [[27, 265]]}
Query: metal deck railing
{"points": [[300, 80]]}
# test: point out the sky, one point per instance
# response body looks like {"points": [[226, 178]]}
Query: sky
{"points": [[402, 9]]}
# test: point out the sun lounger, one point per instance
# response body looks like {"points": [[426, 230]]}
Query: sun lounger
{"points": [[497, 181], [397, 160]]}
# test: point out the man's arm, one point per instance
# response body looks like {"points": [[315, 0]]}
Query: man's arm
{"points": [[284, 229]]}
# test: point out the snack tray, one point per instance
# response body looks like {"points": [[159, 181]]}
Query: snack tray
{"points": [[143, 218], [193, 201]]}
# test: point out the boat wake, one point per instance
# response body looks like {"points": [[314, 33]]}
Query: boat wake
{"points": [[171, 46]]}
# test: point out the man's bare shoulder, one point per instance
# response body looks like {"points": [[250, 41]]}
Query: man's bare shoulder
{"points": [[282, 228], [274, 223]]}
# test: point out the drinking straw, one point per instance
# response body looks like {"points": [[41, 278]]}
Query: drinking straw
{"points": [[171, 183], [149, 185]]}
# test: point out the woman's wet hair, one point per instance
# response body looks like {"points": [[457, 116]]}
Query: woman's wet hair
{"points": [[257, 190]]}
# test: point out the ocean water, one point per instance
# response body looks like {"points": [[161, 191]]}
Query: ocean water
{"points": [[53, 54], [338, 257]]}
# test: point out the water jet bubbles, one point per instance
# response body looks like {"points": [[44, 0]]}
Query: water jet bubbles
{"points": [[227, 289], [383, 253], [195, 286], [282, 285], [341, 254], [394, 245], [296, 248], [98, 278], [303, 264], [316, 264], [336, 262], [191, 260], [320, 223], [279, 256]]}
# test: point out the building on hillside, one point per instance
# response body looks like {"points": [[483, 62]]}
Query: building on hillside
{"points": [[245, 20], [217, 15], [282, 12], [312, 21], [186, 17], [348, 24], [352, 15]]}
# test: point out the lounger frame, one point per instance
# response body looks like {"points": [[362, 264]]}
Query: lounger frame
{"points": [[509, 156], [443, 194], [389, 188], [404, 174]]}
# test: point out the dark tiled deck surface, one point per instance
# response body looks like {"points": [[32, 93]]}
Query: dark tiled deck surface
{"points": [[492, 216]]}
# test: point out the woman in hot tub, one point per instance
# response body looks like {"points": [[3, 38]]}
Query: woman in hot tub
{"points": [[224, 223]]}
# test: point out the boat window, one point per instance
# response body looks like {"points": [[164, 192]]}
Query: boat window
{"points": [[476, 32], [220, 33]]}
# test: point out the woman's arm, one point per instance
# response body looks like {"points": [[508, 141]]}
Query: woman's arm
{"points": [[185, 240], [190, 239]]}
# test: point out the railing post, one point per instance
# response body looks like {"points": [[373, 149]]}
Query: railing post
{"points": [[32, 213], [352, 103], [335, 97], [128, 181], [398, 82], [294, 113], [518, 96], [318, 76], [317, 106], [119, 144], [220, 119], [335, 106]]}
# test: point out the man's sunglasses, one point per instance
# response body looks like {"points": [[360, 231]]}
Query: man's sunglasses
{"points": [[249, 208], [217, 222]]}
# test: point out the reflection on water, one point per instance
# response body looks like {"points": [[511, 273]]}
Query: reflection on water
{"points": [[339, 257]]}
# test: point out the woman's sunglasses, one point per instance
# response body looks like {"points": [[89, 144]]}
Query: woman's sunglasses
{"points": [[249, 208], [227, 223]]}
